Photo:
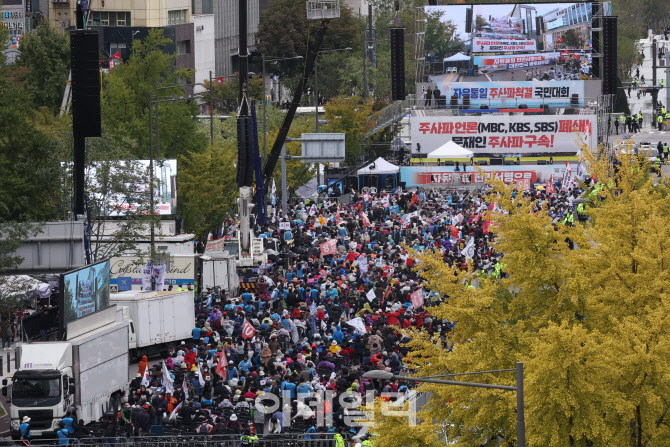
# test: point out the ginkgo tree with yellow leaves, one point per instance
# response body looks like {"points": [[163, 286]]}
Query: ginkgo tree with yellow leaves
{"points": [[591, 325]]}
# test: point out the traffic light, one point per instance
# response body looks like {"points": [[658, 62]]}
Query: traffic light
{"points": [[85, 62], [609, 55], [398, 63]]}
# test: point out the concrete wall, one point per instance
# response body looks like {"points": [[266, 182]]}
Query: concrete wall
{"points": [[59, 248]]}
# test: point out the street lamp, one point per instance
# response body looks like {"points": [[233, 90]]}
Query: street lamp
{"points": [[316, 82], [276, 59], [520, 420]]}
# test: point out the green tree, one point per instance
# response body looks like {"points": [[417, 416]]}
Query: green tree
{"points": [[125, 101], [226, 94], [572, 40], [440, 38], [45, 54], [349, 116], [480, 22], [284, 31]]}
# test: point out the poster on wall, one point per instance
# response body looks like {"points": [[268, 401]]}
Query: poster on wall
{"points": [[506, 135]]}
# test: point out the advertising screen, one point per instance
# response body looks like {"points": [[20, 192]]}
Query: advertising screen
{"points": [[511, 94], [122, 187], [525, 30], [506, 135], [84, 291]]}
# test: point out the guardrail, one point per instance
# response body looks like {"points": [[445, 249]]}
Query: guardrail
{"points": [[268, 440]]}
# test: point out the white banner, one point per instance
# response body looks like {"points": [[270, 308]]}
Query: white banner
{"points": [[358, 324], [484, 45], [284, 225], [515, 93], [216, 245], [506, 134]]}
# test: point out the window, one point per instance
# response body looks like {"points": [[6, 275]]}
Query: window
{"points": [[176, 17], [184, 47], [110, 18]]}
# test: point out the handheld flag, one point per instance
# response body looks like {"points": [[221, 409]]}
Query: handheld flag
{"points": [[248, 329], [167, 380], [221, 367], [201, 379], [145, 377], [329, 248], [414, 200], [417, 299]]}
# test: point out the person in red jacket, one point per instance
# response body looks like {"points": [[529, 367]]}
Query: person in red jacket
{"points": [[393, 318]]}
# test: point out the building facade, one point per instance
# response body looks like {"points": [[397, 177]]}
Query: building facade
{"points": [[135, 13], [205, 56], [13, 18], [226, 23]]}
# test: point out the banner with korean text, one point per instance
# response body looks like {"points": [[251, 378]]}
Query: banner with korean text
{"points": [[512, 94], [507, 135]]}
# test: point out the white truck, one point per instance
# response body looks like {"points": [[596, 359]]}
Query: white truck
{"points": [[88, 371], [219, 269], [157, 321]]}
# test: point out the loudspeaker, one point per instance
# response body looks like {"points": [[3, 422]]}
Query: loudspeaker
{"points": [[596, 38], [453, 101], [497, 161], [398, 64], [245, 153], [468, 20], [539, 25], [609, 55], [84, 58], [542, 162], [574, 99], [466, 100]]}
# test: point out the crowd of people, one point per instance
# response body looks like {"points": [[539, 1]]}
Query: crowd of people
{"points": [[329, 306]]}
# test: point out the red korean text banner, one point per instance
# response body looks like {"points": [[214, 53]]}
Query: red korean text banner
{"points": [[506, 134]]}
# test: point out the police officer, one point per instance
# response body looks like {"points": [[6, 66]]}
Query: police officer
{"points": [[639, 119], [622, 121], [339, 440], [657, 166], [660, 121], [666, 151], [247, 439]]}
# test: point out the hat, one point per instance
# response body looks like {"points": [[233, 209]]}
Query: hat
{"points": [[25, 419], [233, 417]]}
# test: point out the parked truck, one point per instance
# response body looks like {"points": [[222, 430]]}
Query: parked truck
{"points": [[157, 321], [87, 373]]}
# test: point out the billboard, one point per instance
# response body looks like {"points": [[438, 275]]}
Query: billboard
{"points": [[503, 94], [128, 270], [122, 187], [508, 135], [485, 45], [84, 291]]}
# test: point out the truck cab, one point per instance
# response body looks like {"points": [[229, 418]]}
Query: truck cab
{"points": [[43, 388]]}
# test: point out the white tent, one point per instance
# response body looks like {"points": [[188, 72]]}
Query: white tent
{"points": [[458, 57], [19, 285], [381, 167], [450, 150]]}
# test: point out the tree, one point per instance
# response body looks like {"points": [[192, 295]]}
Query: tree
{"points": [[349, 116], [480, 22], [572, 40], [590, 324], [284, 31], [227, 93], [125, 101], [441, 39], [45, 54]]}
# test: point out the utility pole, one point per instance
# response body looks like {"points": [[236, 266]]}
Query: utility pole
{"points": [[151, 192], [365, 64], [158, 131], [211, 110]]}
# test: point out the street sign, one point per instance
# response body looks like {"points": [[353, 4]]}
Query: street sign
{"points": [[322, 147]]}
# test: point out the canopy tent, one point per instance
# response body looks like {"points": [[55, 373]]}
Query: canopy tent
{"points": [[381, 166], [458, 57], [21, 286], [450, 150]]}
